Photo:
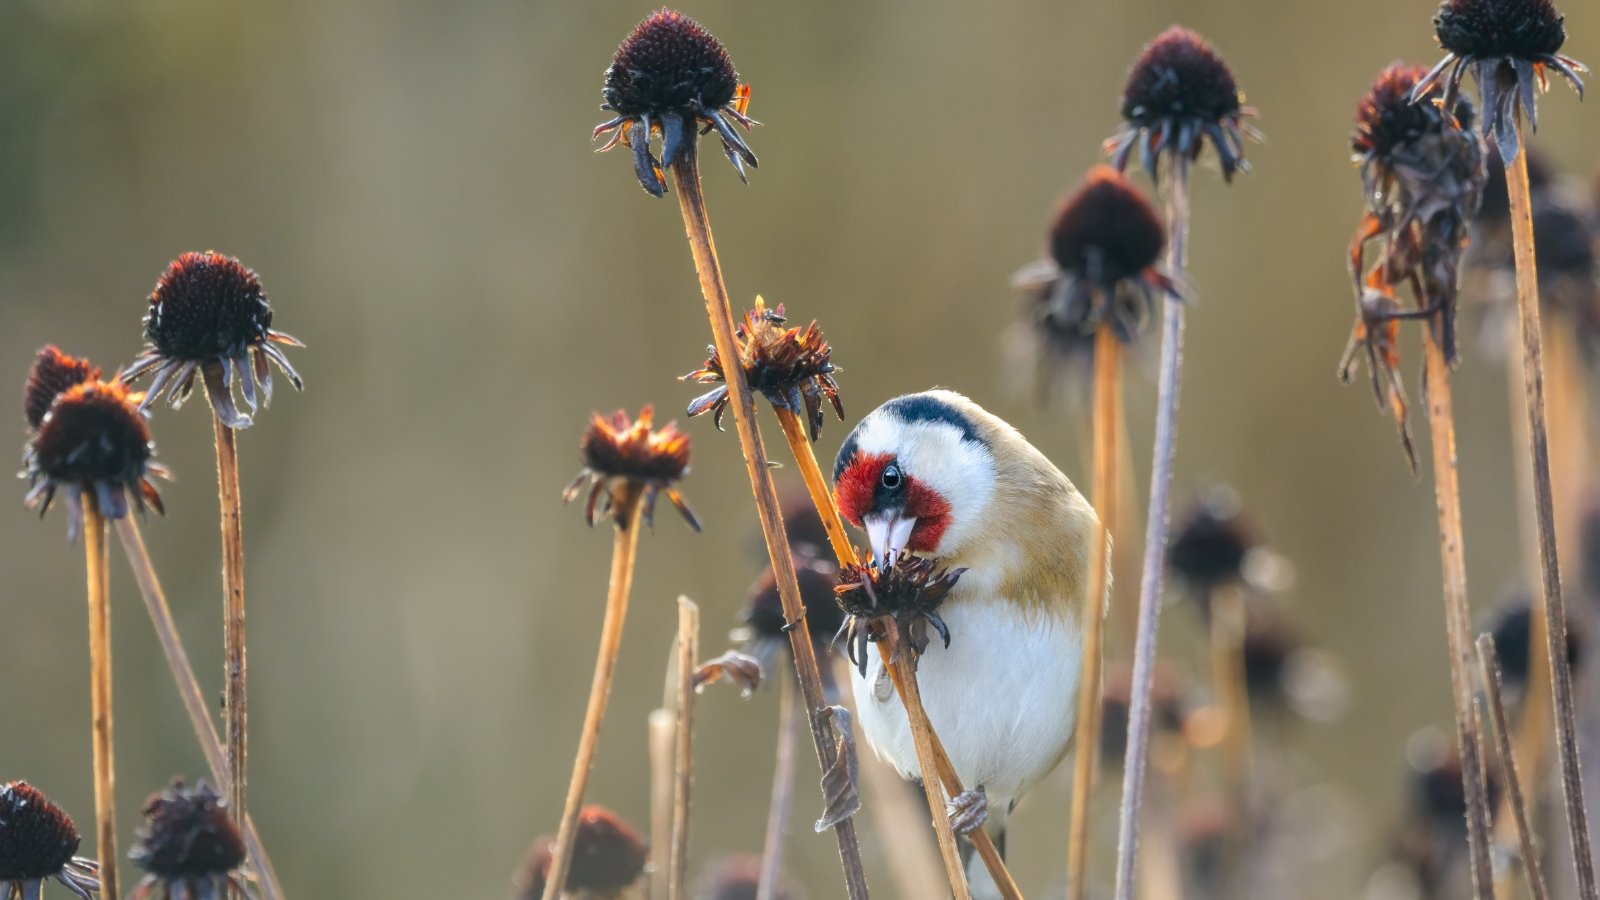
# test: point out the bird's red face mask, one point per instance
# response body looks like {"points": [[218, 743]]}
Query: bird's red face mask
{"points": [[898, 511]]}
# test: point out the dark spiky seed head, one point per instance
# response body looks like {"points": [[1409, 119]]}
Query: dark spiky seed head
{"points": [[607, 855], [1211, 541], [50, 376], [1179, 76], [1487, 29], [94, 433], [1387, 120], [37, 839], [1106, 220], [669, 63], [187, 834], [816, 577], [206, 305], [615, 447]]}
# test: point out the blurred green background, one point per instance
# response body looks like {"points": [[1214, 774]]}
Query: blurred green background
{"points": [[415, 183]]}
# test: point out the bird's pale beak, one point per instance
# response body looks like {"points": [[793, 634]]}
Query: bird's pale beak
{"points": [[888, 533]]}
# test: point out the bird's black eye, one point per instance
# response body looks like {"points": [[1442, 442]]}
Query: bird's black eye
{"points": [[891, 477]]}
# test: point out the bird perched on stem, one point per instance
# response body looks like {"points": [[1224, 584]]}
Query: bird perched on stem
{"points": [[936, 474]]}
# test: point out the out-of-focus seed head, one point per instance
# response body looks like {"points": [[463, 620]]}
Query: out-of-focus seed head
{"points": [[37, 838], [669, 63], [187, 834], [763, 629], [1106, 230], [1387, 120], [792, 367], [1563, 242], [1167, 704], [608, 855], [1179, 76], [207, 305], [621, 456], [737, 878], [1211, 541], [1495, 210], [52, 373], [1511, 626], [1487, 28]]}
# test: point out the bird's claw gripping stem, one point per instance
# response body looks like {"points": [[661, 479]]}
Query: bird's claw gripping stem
{"points": [[968, 810]]}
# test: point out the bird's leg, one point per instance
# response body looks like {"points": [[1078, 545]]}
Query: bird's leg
{"points": [[968, 810]]}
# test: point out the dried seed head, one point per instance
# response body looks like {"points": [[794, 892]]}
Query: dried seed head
{"points": [[1563, 242], [187, 835], [1106, 230], [1179, 76], [207, 305], [895, 602], [1168, 709], [792, 367], [1523, 29], [37, 838], [669, 63], [51, 374], [607, 856], [1211, 541], [1511, 626], [620, 456], [801, 521], [763, 617], [94, 433], [1387, 120]]}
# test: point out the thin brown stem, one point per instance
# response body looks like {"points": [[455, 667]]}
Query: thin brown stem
{"points": [[1458, 619], [1553, 608], [234, 699], [96, 560], [1107, 403], [683, 768], [922, 736], [810, 473], [663, 726], [194, 701], [697, 225], [1493, 689], [1232, 695], [782, 792], [624, 550]]}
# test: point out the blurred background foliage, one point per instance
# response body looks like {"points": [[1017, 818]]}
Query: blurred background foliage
{"points": [[415, 184]]}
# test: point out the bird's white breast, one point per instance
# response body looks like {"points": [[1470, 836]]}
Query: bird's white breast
{"points": [[1002, 697]]}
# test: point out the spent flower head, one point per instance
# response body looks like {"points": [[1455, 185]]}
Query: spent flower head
{"points": [[792, 367], [764, 629], [671, 77], [893, 601], [189, 845], [1104, 247], [93, 441], [1179, 96], [209, 316], [623, 459], [608, 857], [51, 374], [37, 844], [1508, 45]]}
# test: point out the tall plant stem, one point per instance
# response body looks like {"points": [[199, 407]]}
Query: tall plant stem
{"points": [[1457, 616], [782, 792], [663, 726], [1107, 405], [194, 701], [96, 561], [910, 697], [1489, 667], [1553, 608], [697, 225], [922, 737], [624, 550], [683, 769], [1232, 695], [1155, 537], [234, 697]]}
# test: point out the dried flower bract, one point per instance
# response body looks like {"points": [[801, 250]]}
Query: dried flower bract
{"points": [[792, 367], [1507, 44], [209, 315], [37, 843], [92, 441], [1180, 95], [673, 78], [894, 603], [620, 457]]}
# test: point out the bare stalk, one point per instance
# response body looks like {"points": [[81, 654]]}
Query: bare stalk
{"points": [[234, 697], [662, 726], [806, 461], [1232, 695], [1458, 624], [1552, 608], [683, 769], [96, 560], [1107, 405], [922, 735], [782, 792], [1155, 537], [697, 225], [624, 550], [1493, 688], [194, 701]]}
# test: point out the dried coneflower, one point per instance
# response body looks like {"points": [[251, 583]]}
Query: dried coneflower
{"points": [[792, 367], [609, 859], [188, 845], [894, 603], [672, 77], [52, 373], [37, 844], [1509, 45], [1211, 543], [626, 464]]}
